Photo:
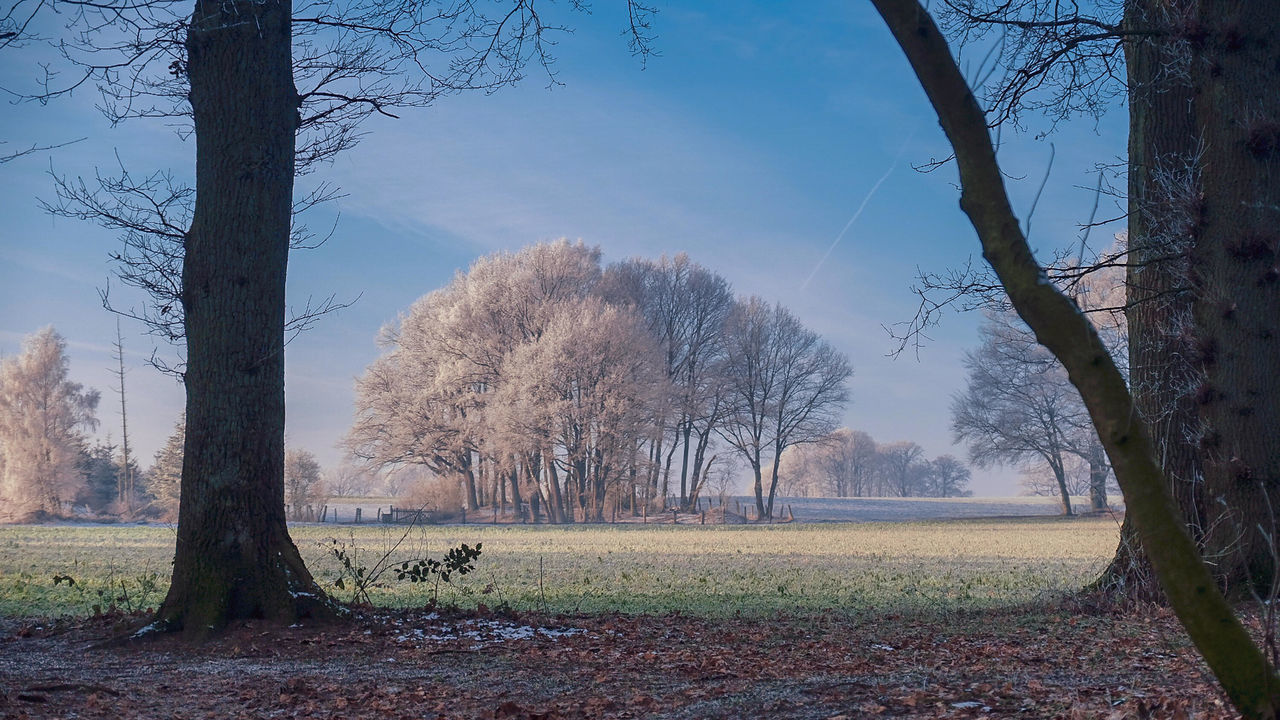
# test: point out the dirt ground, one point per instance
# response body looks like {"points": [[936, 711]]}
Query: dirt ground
{"points": [[1073, 662]]}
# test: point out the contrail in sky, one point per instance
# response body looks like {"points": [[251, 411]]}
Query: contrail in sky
{"points": [[861, 207]]}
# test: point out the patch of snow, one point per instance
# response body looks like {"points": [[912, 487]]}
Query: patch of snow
{"points": [[968, 705], [881, 646], [145, 630], [484, 632]]}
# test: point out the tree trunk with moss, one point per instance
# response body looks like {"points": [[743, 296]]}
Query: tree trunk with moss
{"points": [[1246, 676], [234, 558]]}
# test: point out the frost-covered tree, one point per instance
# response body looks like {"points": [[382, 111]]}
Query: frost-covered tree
{"points": [[42, 414], [588, 385], [424, 401], [303, 484], [348, 480], [164, 478], [843, 464]]}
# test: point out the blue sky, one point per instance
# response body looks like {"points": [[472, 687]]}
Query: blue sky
{"points": [[749, 143]]}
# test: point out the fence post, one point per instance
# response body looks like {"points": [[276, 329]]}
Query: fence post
{"points": [[357, 516], [464, 515]]}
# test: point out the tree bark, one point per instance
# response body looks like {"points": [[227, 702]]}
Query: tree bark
{"points": [[1162, 371], [1246, 676], [1236, 275], [234, 556], [1203, 289]]}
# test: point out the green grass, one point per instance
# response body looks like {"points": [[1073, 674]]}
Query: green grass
{"points": [[713, 571]]}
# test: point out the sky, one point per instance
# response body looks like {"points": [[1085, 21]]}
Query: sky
{"points": [[775, 146]]}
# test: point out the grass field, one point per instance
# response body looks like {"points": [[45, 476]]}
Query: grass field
{"points": [[711, 571]]}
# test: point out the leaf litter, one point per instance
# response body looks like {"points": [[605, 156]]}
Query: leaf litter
{"points": [[1029, 662]]}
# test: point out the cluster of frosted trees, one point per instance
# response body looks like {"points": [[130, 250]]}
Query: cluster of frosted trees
{"points": [[849, 463], [575, 391]]}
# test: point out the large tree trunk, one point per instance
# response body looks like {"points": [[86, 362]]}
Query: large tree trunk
{"points": [[1237, 281], [1203, 289], [234, 556]]}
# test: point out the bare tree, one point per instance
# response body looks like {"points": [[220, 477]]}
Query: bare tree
{"points": [[685, 307], [842, 464], [346, 479], [785, 386], [1019, 406], [902, 468], [127, 491], [948, 477], [42, 414], [1249, 680]]}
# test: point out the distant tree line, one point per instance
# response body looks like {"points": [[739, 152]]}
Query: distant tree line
{"points": [[574, 391], [849, 463]]}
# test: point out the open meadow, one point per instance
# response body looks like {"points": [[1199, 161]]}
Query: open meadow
{"points": [[955, 618], [711, 571]]}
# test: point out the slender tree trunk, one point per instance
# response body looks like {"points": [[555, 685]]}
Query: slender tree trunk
{"points": [[234, 556], [773, 481], [556, 501], [684, 466], [1098, 469], [125, 481], [759, 487], [1060, 476], [666, 473], [532, 468], [469, 480], [699, 459]]}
